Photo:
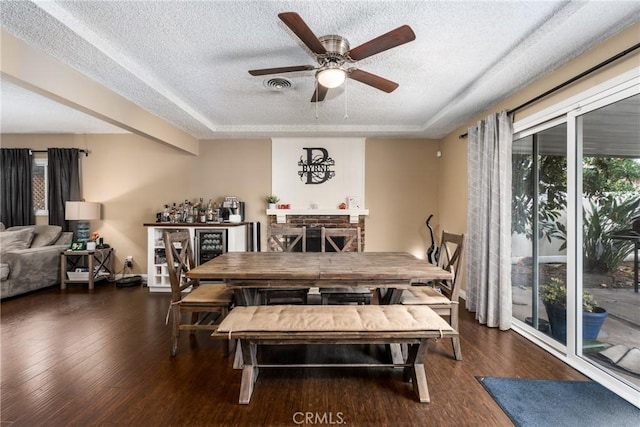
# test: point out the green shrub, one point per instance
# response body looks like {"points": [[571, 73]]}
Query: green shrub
{"points": [[602, 217]]}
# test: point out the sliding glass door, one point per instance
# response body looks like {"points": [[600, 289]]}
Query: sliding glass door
{"points": [[576, 196], [608, 138]]}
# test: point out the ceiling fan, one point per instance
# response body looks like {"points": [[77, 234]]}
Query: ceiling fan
{"points": [[333, 55]]}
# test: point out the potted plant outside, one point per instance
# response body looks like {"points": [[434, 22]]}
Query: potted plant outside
{"points": [[554, 298], [272, 200]]}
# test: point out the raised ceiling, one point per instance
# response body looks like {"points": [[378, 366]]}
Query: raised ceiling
{"points": [[188, 62]]}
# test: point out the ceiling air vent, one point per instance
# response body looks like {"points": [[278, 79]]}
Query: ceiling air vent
{"points": [[278, 83]]}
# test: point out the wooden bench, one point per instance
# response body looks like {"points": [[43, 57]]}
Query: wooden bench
{"points": [[329, 324]]}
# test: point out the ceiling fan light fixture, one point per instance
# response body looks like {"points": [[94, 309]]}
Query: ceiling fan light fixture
{"points": [[332, 77]]}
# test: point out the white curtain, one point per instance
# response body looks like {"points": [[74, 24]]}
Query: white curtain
{"points": [[488, 257]]}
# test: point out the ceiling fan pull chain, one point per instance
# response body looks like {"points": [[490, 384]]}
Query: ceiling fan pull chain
{"points": [[346, 113], [316, 92]]}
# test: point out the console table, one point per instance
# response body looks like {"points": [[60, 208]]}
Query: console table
{"points": [[99, 264]]}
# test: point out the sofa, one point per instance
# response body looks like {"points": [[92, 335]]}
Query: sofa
{"points": [[30, 257]]}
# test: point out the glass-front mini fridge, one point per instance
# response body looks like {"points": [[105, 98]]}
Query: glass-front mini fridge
{"points": [[209, 243]]}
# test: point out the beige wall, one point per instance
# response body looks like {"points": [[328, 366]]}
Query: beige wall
{"points": [[453, 193], [240, 168], [133, 177], [401, 190]]}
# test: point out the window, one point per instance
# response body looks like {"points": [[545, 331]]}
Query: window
{"points": [[39, 183]]}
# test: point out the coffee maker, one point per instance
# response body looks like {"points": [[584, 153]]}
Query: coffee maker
{"points": [[232, 210]]}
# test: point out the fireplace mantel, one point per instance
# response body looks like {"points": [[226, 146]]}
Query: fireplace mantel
{"points": [[353, 214]]}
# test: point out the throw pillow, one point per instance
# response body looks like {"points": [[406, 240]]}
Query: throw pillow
{"points": [[14, 240], [44, 235]]}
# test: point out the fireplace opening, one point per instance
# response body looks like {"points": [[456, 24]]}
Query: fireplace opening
{"points": [[313, 241]]}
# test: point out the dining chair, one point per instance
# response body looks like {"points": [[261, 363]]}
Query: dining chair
{"points": [[342, 240], [207, 303], [442, 295], [285, 239]]}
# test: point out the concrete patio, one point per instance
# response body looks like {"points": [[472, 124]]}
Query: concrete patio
{"points": [[622, 325]]}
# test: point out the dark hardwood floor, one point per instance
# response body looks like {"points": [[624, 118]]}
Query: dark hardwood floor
{"points": [[75, 358]]}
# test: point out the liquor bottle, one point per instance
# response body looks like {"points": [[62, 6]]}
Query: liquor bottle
{"points": [[190, 217], [216, 213], [202, 211], [172, 213], [165, 213], [195, 212], [210, 211], [178, 214]]}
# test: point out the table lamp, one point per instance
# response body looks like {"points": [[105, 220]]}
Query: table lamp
{"points": [[83, 212]]}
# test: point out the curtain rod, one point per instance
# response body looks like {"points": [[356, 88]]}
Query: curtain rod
{"points": [[570, 81], [86, 152]]}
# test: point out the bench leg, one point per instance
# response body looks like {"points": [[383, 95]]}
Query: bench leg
{"points": [[416, 357], [455, 341], [249, 371], [237, 357]]}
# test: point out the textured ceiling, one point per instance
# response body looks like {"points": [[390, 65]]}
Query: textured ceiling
{"points": [[187, 62]]}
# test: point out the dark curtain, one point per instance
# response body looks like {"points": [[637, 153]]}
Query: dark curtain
{"points": [[64, 183], [17, 191]]}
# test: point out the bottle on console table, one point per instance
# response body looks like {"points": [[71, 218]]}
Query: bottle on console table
{"points": [[202, 212], [209, 211]]}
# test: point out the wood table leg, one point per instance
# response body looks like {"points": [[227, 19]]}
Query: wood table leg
{"points": [[396, 354], [247, 296], [249, 371], [394, 295], [91, 272], [63, 271]]}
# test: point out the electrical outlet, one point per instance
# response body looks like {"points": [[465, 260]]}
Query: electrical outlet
{"points": [[128, 261]]}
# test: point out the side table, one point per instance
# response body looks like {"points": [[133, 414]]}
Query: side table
{"points": [[99, 264]]}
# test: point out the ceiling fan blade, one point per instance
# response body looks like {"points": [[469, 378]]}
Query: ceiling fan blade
{"points": [[264, 71], [319, 93], [372, 80], [304, 33], [393, 38]]}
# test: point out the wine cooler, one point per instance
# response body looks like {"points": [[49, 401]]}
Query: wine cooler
{"points": [[209, 244]]}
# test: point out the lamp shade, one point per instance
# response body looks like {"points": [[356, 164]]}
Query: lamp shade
{"points": [[81, 211]]}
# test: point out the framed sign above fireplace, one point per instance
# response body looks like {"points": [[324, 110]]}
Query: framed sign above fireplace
{"points": [[318, 174]]}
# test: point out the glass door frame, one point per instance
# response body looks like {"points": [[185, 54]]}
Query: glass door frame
{"points": [[575, 138], [571, 110], [529, 331]]}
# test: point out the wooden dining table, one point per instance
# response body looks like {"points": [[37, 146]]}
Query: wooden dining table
{"points": [[246, 272]]}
